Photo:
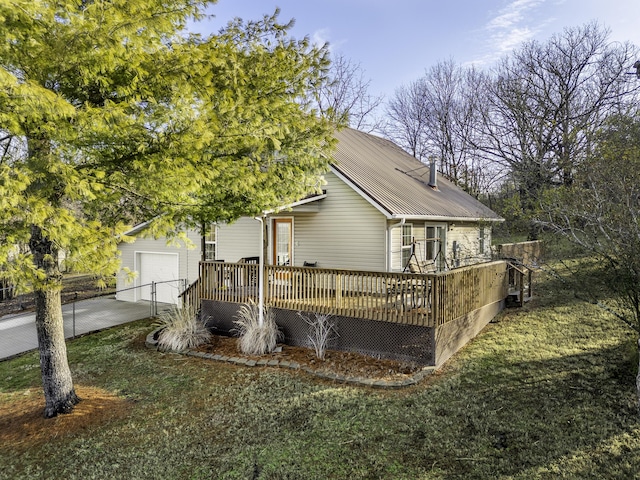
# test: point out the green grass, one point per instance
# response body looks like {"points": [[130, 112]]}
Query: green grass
{"points": [[545, 392]]}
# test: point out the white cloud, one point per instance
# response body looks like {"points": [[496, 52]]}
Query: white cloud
{"points": [[517, 22], [512, 14], [322, 36], [504, 42]]}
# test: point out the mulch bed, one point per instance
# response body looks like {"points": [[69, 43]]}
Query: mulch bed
{"points": [[347, 364]]}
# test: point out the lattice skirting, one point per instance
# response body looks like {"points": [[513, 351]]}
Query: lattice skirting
{"points": [[408, 343]]}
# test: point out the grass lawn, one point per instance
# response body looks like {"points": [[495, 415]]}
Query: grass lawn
{"points": [[545, 392]]}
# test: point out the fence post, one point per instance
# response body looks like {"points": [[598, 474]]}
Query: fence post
{"points": [[435, 302], [153, 299], [73, 316]]}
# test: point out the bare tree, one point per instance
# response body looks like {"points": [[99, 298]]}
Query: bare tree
{"points": [[345, 96], [437, 117], [456, 100], [407, 119], [547, 100]]}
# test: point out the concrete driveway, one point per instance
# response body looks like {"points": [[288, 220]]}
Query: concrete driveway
{"points": [[18, 332]]}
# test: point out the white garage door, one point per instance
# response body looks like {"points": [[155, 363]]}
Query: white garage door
{"points": [[161, 268]]}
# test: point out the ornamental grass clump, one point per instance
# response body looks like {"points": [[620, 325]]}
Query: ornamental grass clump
{"points": [[182, 329], [256, 338], [321, 332]]}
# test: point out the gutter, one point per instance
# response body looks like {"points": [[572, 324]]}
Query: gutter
{"points": [[442, 218], [304, 201]]}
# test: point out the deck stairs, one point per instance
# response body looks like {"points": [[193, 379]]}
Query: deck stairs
{"points": [[520, 284]]}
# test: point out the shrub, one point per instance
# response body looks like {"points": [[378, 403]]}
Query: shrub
{"points": [[182, 329], [256, 339], [322, 330]]}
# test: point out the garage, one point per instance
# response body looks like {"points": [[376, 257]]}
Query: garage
{"points": [[163, 269]]}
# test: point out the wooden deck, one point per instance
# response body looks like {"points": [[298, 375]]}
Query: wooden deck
{"points": [[405, 298]]}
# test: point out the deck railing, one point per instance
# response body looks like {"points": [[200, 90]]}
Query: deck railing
{"points": [[527, 253], [520, 283], [191, 295], [415, 299], [463, 290]]}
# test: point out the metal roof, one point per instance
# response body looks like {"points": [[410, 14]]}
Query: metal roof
{"points": [[398, 184]]}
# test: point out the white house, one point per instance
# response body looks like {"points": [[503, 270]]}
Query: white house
{"points": [[379, 207]]}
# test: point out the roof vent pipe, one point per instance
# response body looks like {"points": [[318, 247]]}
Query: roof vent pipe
{"points": [[433, 175]]}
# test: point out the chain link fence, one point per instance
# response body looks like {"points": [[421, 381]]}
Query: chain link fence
{"points": [[18, 331]]}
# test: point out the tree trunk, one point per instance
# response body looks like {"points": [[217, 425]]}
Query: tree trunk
{"points": [[638, 378], [59, 394]]}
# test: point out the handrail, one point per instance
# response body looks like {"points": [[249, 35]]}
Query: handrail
{"points": [[523, 270], [410, 298], [524, 288], [191, 294]]}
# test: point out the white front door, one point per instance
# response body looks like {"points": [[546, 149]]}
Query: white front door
{"points": [[282, 241]]}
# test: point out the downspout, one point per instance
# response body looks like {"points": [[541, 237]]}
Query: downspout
{"points": [[261, 273], [389, 228], [203, 242]]}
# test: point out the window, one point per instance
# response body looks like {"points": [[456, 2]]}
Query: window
{"points": [[481, 245], [282, 241], [436, 242], [407, 244], [210, 243]]}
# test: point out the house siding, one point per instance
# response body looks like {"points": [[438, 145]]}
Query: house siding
{"points": [[347, 231], [467, 244], [462, 243], [238, 240], [340, 231], [188, 261]]}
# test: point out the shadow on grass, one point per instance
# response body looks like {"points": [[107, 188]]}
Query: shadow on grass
{"points": [[514, 403], [546, 392], [570, 413]]}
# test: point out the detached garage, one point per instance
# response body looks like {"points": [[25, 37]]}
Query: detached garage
{"points": [[163, 269], [169, 267]]}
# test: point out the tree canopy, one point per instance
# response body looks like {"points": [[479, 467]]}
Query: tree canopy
{"points": [[111, 113], [600, 212]]}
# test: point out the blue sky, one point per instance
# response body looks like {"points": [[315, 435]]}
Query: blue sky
{"points": [[394, 41]]}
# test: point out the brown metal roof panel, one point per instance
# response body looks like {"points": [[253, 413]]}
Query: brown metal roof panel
{"points": [[399, 182]]}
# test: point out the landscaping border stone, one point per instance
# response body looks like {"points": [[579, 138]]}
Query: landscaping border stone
{"points": [[152, 342]]}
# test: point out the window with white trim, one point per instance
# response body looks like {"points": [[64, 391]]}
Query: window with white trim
{"points": [[210, 243], [435, 243], [407, 244]]}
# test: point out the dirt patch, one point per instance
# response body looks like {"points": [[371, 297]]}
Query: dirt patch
{"points": [[23, 426], [347, 364], [22, 423], [75, 287]]}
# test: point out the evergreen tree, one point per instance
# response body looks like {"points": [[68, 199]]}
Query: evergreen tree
{"points": [[111, 112]]}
